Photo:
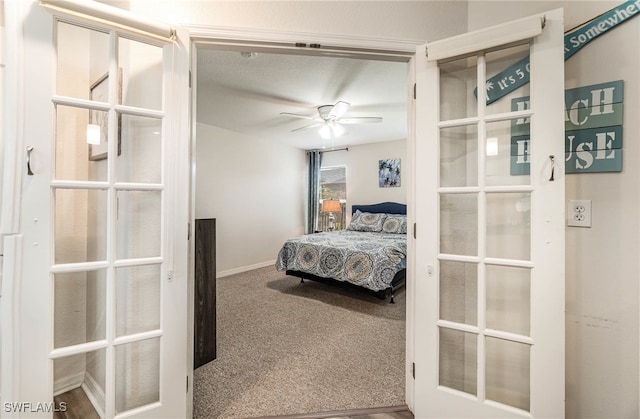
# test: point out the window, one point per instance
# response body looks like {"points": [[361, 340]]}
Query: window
{"points": [[333, 186]]}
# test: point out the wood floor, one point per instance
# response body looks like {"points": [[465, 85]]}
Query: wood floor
{"points": [[78, 406]]}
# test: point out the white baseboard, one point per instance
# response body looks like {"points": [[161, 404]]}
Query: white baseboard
{"points": [[94, 393], [68, 383], [245, 268]]}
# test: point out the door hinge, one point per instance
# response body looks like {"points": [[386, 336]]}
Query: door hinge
{"points": [[188, 231], [415, 92], [187, 383], [189, 79], [415, 229], [413, 370]]}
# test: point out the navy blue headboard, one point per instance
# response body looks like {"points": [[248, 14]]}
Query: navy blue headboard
{"points": [[385, 207]]}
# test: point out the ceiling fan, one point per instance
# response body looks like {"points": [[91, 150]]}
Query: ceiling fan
{"points": [[329, 120]]}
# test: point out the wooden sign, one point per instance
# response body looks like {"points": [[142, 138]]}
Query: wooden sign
{"points": [[593, 130]]}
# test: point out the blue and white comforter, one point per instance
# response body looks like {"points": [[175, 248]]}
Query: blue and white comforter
{"points": [[367, 259]]}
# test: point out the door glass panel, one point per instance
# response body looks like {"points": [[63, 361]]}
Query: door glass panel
{"points": [[80, 144], [459, 224], [79, 378], [459, 156], [507, 154], [138, 224], [80, 225], [459, 292], [508, 225], [458, 360], [138, 299], [137, 374], [141, 147], [82, 57], [508, 372], [141, 66], [509, 299], [458, 79], [79, 307], [499, 78]]}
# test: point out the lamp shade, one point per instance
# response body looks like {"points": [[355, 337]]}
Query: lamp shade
{"points": [[330, 205]]}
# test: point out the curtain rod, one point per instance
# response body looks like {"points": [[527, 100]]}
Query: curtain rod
{"points": [[329, 151], [111, 16]]}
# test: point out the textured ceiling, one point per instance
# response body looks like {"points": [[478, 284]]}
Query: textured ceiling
{"points": [[247, 94]]}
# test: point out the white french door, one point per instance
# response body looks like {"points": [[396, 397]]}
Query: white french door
{"points": [[489, 200], [100, 305]]}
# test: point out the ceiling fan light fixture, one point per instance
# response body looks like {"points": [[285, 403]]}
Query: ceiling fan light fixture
{"points": [[331, 130], [325, 132], [337, 130]]}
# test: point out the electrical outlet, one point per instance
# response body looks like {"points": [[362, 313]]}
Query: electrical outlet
{"points": [[579, 213]]}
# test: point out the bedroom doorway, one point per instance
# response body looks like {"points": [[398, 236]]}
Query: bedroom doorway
{"points": [[277, 103]]}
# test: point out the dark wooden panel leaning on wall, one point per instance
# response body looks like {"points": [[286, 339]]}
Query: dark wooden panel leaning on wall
{"points": [[205, 292]]}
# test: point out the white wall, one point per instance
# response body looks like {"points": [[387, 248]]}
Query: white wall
{"points": [[256, 192], [362, 172], [602, 262], [406, 20]]}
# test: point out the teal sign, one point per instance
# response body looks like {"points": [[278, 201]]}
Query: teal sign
{"points": [[577, 38], [593, 130], [517, 75]]}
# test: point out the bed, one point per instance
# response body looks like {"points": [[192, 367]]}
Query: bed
{"points": [[370, 254]]}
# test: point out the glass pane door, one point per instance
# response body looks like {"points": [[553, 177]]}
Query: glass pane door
{"points": [[108, 235], [490, 227], [484, 237]]}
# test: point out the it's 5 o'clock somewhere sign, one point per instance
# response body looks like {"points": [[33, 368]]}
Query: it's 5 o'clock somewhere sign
{"points": [[517, 75]]}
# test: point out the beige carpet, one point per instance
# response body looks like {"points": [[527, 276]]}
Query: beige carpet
{"points": [[291, 348]]}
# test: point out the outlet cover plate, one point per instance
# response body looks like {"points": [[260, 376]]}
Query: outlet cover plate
{"points": [[579, 213]]}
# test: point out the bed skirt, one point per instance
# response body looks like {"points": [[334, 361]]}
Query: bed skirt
{"points": [[399, 280]]}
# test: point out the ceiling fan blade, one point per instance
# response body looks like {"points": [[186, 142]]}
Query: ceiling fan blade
{"points": [[297, 115], [362, 120], [307, 127], [338, 110]]}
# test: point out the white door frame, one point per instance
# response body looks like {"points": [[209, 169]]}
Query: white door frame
{"points": [[283, 42]]}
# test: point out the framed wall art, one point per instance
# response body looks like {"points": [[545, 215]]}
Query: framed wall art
{"points": [[389, 173], [98, 129]]}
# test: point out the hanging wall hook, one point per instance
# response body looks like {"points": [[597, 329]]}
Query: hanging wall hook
{"points": [[29, 150], [553, 166]]}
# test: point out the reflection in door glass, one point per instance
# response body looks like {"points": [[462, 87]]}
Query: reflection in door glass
{"points": [[79, 307], [138, 224], [141, 66], [82, 58], [78, 382], [508, 373], [80, 225], [458, 80], [509, 225], [459, 156], [509, 299], [459, 224], [507, 69], [137, 299], [507, 150], [137, 374], [81, 144], [141, 144], [458, 360], [459, 292]]}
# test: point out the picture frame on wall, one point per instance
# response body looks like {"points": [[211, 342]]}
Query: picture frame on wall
{"points": [[389, 173], [98, 129]]}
